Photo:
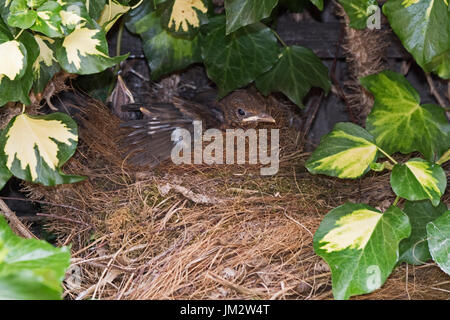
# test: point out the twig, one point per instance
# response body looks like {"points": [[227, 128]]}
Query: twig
{"points": [[15, 222], [434, 92]]}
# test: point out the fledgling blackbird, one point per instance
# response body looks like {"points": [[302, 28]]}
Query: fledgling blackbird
{"points": [[148, 139]]}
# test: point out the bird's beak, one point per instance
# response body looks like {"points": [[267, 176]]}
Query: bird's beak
{"points": [[264, 117]]}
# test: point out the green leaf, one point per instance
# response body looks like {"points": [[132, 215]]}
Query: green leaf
{"points": [[30, 268], [346, 152], [183, 18], [20, 15], [423, 27], [296, 72], [19, 88], [236, 60], [45, 66], [418, 179], [5, 175], [318, 4], [241, 13], [164, 52], [438, 241], [414, 250], [360, 244], [357, 11], [48, 20], [399, 123], [34, 148], [95, 8]]}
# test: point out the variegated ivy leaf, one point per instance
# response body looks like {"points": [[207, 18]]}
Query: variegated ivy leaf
{"points": [[439, 241], [346, 152], [423, 27], [445, 157], [165, 53], [48, 20], [21, 15], [14, 60], [399, 123], [34, 148], [418, 179], [85, 51], [414, 249], [73, 15], [360, 244], [184, 17], [95, 8], [16, 82], [111, 13], [45, 66]]}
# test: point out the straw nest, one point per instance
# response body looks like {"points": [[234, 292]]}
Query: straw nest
{"points": [[204, 232]]}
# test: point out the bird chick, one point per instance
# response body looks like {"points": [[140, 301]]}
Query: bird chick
{"points": [[148, 140]]}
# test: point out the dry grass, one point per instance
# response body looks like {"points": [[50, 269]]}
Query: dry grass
{"points": [[133, 239]]}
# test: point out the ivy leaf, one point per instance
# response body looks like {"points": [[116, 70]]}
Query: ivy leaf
{"points": [[112, 11], [45, 66], [17, 89], [74, 15], [399, 123], [360, 244], [184, 17], [5, 175], [48, 20], [236, 60], [20, 15], [423, 27], [418, 179], [438, 241], [95, 8], [164, 52], [357, 11], [34, 148], [318, 4], [85, 51], [241, 13], [346, 152], [30, 269], [298, 70], [414, 250]]}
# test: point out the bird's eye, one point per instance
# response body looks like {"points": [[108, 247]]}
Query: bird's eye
{"points": [[241, 112]]}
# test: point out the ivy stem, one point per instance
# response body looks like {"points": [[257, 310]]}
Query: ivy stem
{"points": [[279, 38], [388, 156], [138, 4], [119, 43], [19, 34], [23, 108], [397, 199]]}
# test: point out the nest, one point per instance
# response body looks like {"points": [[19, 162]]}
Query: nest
{"points": [[204, 232]]}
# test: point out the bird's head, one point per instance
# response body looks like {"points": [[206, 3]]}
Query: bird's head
{"points": [[245, 109]]}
